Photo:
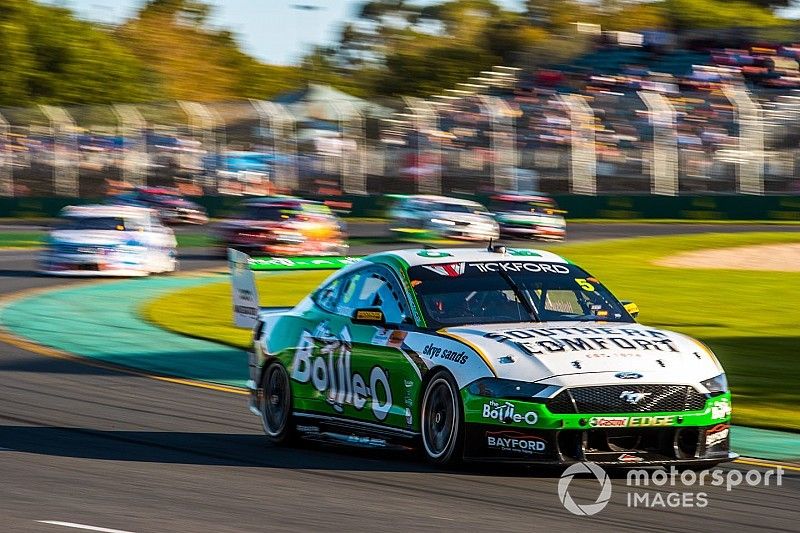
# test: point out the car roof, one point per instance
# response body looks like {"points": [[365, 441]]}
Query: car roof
{"points": [[441, 199], [101, 210], [522, 198], [417, 257], [278, 200]]}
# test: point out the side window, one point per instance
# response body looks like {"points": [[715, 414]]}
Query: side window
{"points": [[327, 297], [374, 286]]}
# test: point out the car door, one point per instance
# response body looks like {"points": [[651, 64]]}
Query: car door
{"points": [[390, 377], [352, 370]]}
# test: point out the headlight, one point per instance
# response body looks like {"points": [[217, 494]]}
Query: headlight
{"points": [[506, 388], [716, 385], [442, 222]]}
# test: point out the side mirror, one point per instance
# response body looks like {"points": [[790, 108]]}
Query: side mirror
{"points": [[631, 308], [370, 316]]}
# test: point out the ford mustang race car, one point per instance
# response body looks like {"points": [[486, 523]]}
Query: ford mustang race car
{"points": [[494, 354], [438, 217], [283, 225], [106, 240], [172, 207], [531, 216]]}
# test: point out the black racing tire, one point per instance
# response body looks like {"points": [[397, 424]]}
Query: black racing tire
{"points": [[275, 404], [442, 420]]}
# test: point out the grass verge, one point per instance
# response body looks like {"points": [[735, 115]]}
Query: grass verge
{"points": [[36, 239], [750, 319]]}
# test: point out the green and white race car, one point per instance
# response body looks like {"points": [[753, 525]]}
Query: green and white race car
{"points": [[494, 354]]}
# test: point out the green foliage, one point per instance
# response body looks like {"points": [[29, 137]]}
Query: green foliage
{"points": [[51, 57], [700, 14], [169, 51], [424, 72]]}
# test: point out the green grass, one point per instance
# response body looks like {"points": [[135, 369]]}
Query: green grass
{"points": [[36, 239], [750, 319], [21, 239], [680, 221], [205, 312]]}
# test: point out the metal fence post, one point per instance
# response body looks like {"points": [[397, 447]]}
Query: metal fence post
{"points": [[201, 123], [504, 143], [132, 126], [279, 121], [353, 174], [65, 168], [664, 163], [750, 169], [583, 167], [424, 116], [6, 161]]}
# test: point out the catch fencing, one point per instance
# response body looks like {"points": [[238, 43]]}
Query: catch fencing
{"points": [[474, 139]]}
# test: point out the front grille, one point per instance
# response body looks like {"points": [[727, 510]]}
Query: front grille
{"points": [[79, 249], [627, 399]]}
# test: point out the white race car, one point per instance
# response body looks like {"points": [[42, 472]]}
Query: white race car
{"points": [[439, 217], [103, 240]]}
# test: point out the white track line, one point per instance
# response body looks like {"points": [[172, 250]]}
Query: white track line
{"points": [[82, 526]]}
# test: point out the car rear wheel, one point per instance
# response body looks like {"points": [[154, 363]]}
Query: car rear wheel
{"points": [[442, 420], [276, 404]]}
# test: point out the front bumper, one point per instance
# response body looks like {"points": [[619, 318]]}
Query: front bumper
{"points": [[619, 447], [525, 431], [90, 265], [467, 233], [284, 249], [536, 232]]}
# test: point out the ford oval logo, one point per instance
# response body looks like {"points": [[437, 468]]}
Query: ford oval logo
{"points": [[627, 375]]}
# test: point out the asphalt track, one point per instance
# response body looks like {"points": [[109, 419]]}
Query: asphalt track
{"points": [[87, 445]]}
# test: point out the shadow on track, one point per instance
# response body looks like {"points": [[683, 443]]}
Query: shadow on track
{"points": [[19, 274], [221, 449]]}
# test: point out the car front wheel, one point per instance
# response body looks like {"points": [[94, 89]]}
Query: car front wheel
{"points": [[442, 420]]}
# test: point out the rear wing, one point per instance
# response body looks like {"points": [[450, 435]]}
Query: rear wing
{"points": [[245, 294]]}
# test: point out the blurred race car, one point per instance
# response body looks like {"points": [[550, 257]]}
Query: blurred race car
{"points": [[439, 217], [284, 226], [170, 204], [495, 354], [106, 240], [531, 216]]}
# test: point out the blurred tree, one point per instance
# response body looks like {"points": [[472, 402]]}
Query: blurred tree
{"points": [[51, 57], [700, 14], [194, 62]]}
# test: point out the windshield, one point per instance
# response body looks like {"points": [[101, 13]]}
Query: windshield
{"points": [[267, 212], [511, 291], [96, 223], [531, 207], [461, 208]]}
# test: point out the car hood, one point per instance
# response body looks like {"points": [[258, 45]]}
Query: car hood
{"points": [[576, 353], [91, 237]]}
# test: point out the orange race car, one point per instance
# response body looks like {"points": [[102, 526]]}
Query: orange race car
{"points": [[277, 226]]}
